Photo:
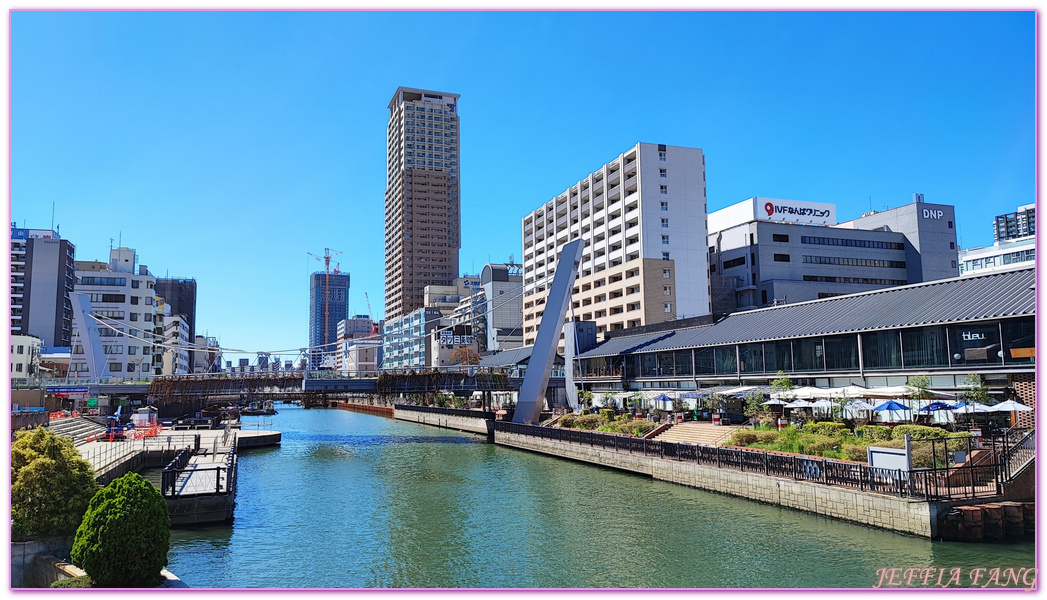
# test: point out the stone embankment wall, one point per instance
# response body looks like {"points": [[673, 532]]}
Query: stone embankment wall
{"points": [[470, 424], [23, 555], [878, 510]]}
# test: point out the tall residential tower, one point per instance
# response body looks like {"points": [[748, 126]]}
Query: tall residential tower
{"points": [[328, 304], [422, 216]]}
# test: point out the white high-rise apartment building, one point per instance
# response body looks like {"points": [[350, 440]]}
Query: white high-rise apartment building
{"points": [[643, 219], [123, 299]]}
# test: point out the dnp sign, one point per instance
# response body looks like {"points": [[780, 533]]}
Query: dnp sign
{"points": [[931, 213]]}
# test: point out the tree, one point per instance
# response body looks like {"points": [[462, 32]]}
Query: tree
{"points": [[51, 485], [974, 389], [918, 385], [754, 403], [125, 535], [585, 398], [782, 383], [465, 355]]}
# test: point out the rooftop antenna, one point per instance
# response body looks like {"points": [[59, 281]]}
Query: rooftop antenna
{"points": [[110, 244]]}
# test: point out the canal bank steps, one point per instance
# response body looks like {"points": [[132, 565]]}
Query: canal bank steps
{"points": [[698, 433], [78, 429]]}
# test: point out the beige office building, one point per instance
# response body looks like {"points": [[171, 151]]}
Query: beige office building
{"points": [[422, 205], [643, 219]]}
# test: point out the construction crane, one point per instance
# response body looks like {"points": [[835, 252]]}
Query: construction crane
{"points": [[374, 324], [327, 286]]}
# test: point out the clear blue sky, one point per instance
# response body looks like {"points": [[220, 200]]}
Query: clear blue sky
{"points": [[224, 146]]}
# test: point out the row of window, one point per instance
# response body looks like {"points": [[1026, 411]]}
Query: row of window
{"points": [[960, 345], [854, 262], [866, 280], [824, 241]]}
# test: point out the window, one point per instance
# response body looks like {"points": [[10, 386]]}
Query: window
{"points": [[668, 307], [131, 350], [665, 222], [661, 156], [665, 206], [135, 283], [952, 245], [781, 258], [667, 290], [21, 350], [950, 224], [665, 256], [854, 262], [667, 273], [734, 262], [780, 237], [662, 173], [665, 239], [134, 316], [134, 299], [115, 367], [149, 300], [663, 189], [763, 296], [18, 367], [712, 249], [130, 367], [953, 264]]}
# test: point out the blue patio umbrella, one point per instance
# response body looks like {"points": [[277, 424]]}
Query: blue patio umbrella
{"points": [[891, 405], [937, 405]]}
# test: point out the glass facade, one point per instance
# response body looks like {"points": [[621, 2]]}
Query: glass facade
{"points": [[933, 346], [1019, 341], [808, 354], [841, 353], [881, 350], [975, 344], [925, 347], [751, 358]]}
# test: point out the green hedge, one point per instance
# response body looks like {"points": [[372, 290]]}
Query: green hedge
{"points": [[567, 421], [918, 432], [827, 428], [82, 581], [874, 432], [589, 421]]}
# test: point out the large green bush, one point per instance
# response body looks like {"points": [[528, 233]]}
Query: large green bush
{"points": [[874, 432], [589, 422], [827, 428], [50, 485], [567, 421], [607, 414], [125, 535], [918, 432], [743, 437]]}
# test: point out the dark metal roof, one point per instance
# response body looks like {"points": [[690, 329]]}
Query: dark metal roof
{"points": [[512, 357], [971, 298]]}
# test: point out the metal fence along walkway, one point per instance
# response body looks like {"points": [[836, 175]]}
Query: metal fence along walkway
{"points": [[972, 481]]}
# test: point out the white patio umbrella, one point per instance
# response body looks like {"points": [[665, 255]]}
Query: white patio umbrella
{"points": [[774, 401], [860, 405], [799, 404], [1009, 406]]}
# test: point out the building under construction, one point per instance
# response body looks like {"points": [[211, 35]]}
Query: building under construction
{"points": [[328, 304]]}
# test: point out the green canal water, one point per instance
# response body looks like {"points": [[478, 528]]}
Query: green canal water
{"points": [[350, 500]]}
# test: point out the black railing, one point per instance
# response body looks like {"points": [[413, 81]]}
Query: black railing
{"points": [[977, 480], [1014, 459], [451, 412]]}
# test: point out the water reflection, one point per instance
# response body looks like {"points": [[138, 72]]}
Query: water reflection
{"points": [[355, 500]]}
